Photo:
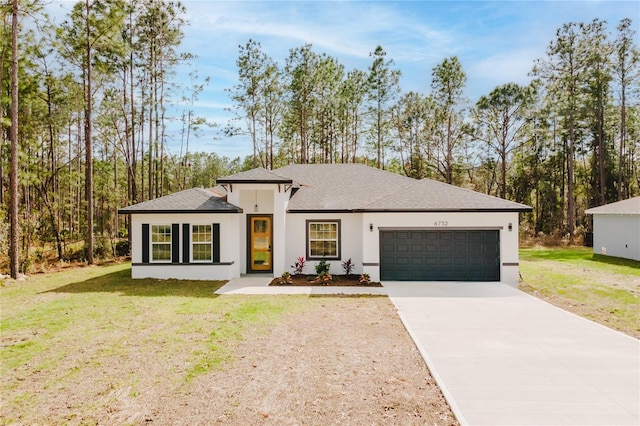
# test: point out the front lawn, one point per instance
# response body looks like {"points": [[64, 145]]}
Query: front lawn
{"points": [[601, 288], [93, 346], [97, 323]]}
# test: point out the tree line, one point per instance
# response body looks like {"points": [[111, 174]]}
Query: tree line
{"points": [[91, 114], [86, 130], [567, 141]]}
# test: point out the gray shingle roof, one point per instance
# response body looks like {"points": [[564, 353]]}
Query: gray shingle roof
{"points": [[338, 187], [431, 195], [356, 187], [335, 188], [630, 206], [195, 200], [259, 175]]}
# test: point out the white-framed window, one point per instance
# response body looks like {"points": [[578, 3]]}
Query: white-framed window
{"points": [[323, 239], [201, 243], [161, 243]]}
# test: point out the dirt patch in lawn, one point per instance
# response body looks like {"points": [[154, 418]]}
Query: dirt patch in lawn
{"points": [[344, 360], [347, 360], [312, 280]]}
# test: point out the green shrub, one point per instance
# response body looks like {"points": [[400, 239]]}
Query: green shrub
{"points": [[122, 248], [322, 267]]}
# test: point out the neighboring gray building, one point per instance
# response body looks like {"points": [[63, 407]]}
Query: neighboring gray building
{"points": [[616, 229]]}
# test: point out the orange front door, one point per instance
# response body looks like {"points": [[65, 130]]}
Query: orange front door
{"points": [[260, 241]]}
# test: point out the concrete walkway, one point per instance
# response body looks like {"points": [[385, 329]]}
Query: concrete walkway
{"points": [[503, 357], [259, 284]]}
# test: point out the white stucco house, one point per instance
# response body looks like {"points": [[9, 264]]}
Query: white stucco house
{"points": [[392, 227], [616, 229]]}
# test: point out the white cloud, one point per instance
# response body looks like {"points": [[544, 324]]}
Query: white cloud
{"points": [[339, 28], [502, 68]]}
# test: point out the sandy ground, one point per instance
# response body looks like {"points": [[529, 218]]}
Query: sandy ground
{"points": [[348, 361], [340, 360]]}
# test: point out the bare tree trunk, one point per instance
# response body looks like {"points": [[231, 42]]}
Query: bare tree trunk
{"points": [[623, 136], [51, 204], [162, 128], [570, 172], [132, 127], [449, 159], [13, 211], [379, 136], [503, 160], [601, 155], [88, 146], [151, 150], [3, 139]]}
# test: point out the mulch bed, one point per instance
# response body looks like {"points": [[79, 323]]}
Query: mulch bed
{"points": [[338, 280]]}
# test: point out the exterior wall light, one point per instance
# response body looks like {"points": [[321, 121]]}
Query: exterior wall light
{"points": [[510, 227], [371, 227]]}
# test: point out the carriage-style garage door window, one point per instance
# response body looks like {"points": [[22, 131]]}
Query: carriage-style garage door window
{"points": [[161, 243], [323, 239]]}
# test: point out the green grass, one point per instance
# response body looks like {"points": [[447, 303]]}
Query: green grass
{"points": [[582, 256], [602, 288], [65, 326]]}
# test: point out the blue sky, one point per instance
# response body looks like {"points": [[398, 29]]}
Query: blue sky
{"points": [[496, 41]]}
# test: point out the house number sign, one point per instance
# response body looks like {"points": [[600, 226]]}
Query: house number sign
{"points": [[440, 223]]}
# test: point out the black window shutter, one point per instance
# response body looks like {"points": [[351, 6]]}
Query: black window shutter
{"points": [[215, 234], [175, 243], [146, 242], [186, 236]]}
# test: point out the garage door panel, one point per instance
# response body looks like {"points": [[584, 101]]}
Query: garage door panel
{"points": [[403, 248], [431, 261], [387, 247], [475, 261], [445, 246], [475, 247], [461, 247], [461, 261], [431, 248], [446, 261], [417, 260], [440, 255], [461, 236], [402, 261]]}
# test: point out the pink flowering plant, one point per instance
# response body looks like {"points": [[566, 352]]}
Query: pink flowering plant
{"points": [[298, 266]]}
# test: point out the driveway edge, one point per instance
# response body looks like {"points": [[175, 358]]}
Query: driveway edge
{"points": [[457, 412]]}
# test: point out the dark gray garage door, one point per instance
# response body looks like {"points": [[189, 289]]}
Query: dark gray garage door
{"points": [[440, 255]]}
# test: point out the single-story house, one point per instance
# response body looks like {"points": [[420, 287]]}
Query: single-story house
{"points": [[616, 229], [390, 226]]}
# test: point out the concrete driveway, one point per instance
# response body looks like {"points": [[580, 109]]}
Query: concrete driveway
{"points": [[503, 357]]}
